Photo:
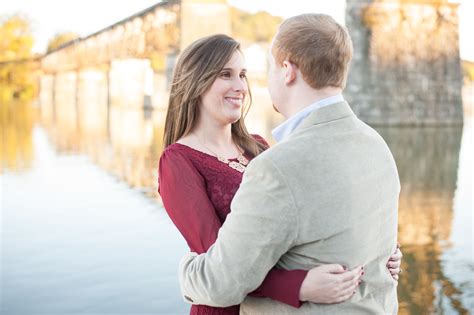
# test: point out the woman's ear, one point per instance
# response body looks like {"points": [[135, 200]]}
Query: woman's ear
{"points": [[290, 72]]}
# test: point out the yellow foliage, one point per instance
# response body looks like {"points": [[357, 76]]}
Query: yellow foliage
{"points": [[258, 27], [468, 70], [60, 39], [17, 40], [16, 145], [16, 81]]}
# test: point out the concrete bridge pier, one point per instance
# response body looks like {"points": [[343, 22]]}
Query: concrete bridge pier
{"points": [[92, 102], [130, 88], [46, 97], [129, 82], [65, 97]]}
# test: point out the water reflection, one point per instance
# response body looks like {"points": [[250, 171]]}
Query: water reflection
{"points": [[127, 141], [427, 160], [77, 241], [16, 125]]}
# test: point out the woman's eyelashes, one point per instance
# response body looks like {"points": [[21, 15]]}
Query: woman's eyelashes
{"points": [[228, 75]]}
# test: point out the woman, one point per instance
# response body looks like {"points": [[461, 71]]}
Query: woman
{"points": [[207, 149]]}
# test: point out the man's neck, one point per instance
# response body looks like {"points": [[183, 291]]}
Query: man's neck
{"points": [[307, 96]]}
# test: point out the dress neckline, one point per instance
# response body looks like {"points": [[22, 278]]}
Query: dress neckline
{"points": [[204, 153]]}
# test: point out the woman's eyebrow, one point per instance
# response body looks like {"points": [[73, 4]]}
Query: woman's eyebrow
{"points": [[231, 69]]}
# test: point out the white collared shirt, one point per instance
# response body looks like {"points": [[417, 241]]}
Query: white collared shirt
{"points": [[286, 128]]}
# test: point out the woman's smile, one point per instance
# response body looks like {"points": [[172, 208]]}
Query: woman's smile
{"points": [[235, 101]]}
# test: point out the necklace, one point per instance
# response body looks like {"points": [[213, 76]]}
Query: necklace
{"points": [[239, 166]]}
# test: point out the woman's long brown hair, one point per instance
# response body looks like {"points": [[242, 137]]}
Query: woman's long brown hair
{"points": [[196, 70]]}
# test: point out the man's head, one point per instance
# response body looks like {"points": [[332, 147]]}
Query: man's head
{"points": [[312, 46]]}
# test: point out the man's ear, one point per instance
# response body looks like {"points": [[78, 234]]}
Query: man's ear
{"points": [[290, 72]]}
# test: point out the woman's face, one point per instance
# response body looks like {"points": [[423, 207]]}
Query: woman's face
{"points": [[223, 102]]}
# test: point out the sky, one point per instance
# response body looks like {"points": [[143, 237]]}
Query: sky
{"points": [[84, 17]]}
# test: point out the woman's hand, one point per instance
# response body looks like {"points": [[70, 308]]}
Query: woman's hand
{"points": [[394, 263], [328, 284]]}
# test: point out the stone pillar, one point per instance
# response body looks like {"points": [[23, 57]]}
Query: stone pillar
{"points": [[65, 101], [46, 95], [406, 68], [128, 82], [92, 102], [202, 18], [358, 82], [160, 91]]}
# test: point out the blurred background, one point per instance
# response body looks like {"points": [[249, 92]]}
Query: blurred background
{"points": [[83, 97]]}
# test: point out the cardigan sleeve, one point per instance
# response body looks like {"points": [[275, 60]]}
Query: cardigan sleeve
{"points": [[182, 189], [282, 285]]}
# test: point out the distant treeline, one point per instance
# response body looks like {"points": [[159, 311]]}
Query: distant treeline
{"points": [[16, 59], [468, 70], [253, 27]]}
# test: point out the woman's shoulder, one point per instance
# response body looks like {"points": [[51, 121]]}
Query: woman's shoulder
{"points": [[174, 153], [177, 159], [173, 149]]}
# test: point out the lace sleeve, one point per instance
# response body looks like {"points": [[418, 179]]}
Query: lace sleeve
{"points": [[185, 199]]}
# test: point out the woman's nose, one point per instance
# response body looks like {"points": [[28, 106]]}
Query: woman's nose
{"points": [[240, 85]]}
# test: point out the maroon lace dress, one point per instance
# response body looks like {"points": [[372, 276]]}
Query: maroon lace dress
{"points": [[197, 190]]}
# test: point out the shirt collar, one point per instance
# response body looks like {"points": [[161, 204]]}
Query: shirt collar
{"points": [[286, 128]]}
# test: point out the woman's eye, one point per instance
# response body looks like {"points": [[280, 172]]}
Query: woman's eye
{"points": [[243, 75], [225, 75]]}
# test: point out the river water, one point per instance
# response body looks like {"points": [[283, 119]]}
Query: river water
{"points": [[83, 231]]}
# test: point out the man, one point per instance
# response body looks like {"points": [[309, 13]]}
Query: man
{"points": [[326, 193]]}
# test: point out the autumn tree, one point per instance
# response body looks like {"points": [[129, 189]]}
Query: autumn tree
{"points": [[15, 58], [60, 39], [468, 70], [253, 27], [17, 88]]}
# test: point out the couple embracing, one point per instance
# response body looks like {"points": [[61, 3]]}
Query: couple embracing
{"points": [[308, 226]]}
